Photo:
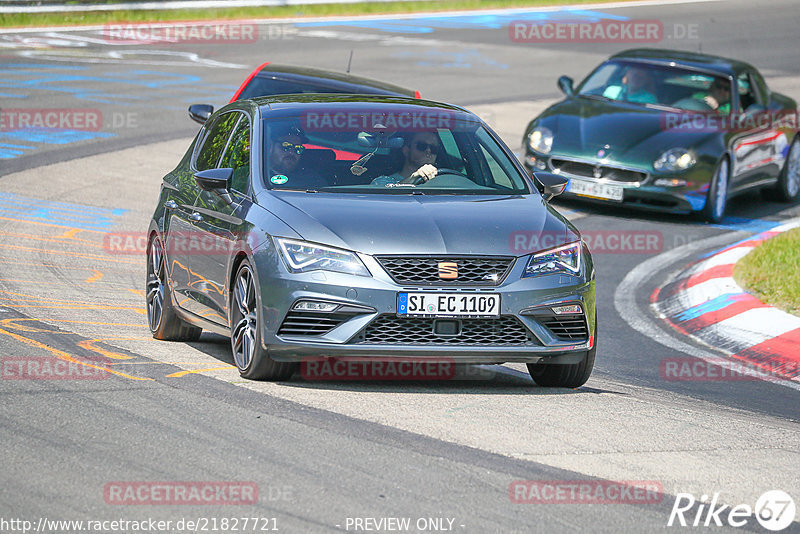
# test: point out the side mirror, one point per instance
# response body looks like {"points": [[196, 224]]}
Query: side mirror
{"points": [[214, 179], [549, 184], [200, 112], [565, 84]]}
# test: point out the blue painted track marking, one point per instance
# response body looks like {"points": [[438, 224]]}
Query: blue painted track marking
{"points": [[76, 215], [429, 23]]}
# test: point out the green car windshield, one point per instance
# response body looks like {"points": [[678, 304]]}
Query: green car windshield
{"points": [[372, 153], [657, 85]]}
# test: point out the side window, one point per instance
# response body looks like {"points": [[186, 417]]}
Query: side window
{"points": [[215, 142], [237, 156]]}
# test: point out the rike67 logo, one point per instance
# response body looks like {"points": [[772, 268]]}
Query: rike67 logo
{"points": [[774, 510]]}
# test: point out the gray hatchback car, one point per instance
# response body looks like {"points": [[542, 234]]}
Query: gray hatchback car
{"points": [[336, 228]]}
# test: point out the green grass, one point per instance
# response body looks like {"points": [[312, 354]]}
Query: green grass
{"points": [[369, 8], [772, 271]]}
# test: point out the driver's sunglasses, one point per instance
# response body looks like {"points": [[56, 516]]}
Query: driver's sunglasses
{"points": [[722, 86], [286, 146], [422, 147]]}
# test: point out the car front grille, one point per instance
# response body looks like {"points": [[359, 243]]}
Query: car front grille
{"points": [[590, 170], [566, 327], [305, 323], [389, 329], [424, 270]]}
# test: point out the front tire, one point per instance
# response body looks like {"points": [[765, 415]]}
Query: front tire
{"points": [[717, 199], [573, 375], [251, 359], [161, 318], [788, 187]]}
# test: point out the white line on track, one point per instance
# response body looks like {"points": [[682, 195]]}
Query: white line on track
{"points": [[638, 319]]}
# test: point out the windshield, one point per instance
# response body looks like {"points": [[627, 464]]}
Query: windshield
{"points": [[387, 153], [645, 84]]}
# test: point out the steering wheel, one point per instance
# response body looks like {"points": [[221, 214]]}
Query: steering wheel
{"points": [[439, 172]]}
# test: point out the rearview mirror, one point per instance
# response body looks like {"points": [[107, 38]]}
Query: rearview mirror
{"points": [[379, 140], [549, 184], [214, 179], [200, 112], [565, 84]]}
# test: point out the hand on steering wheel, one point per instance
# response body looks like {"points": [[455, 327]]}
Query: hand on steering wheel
{"points": [[423, 174]]}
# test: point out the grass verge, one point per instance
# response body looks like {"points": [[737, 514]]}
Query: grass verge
{"points": [[316, 10], [772, 271]]}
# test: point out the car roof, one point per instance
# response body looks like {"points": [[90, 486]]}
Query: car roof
{"points": [[293, 104], [329, 78], [707, 62]]}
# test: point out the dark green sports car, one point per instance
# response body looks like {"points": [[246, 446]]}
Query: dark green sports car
{"points": [[669, 131]]}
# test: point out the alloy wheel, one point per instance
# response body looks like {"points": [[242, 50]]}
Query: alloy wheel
{"points": [[244, 331], [156, 280]]}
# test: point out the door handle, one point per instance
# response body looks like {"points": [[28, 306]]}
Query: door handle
{"points": [[195, 217], [171, 205]]}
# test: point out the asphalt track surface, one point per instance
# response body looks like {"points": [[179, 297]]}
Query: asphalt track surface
{"points": [[323, 452]]}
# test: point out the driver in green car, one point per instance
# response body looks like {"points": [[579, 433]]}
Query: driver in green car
{"points": [[419, 156], [718, 97], [637, 86]]}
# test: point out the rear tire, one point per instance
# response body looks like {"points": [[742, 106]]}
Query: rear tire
{"points": [[573, 375], [788, 187], [717, 199], [250, 357], [164, 323]]}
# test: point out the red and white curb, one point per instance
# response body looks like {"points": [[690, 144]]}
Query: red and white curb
{"points": [[703, 301]]}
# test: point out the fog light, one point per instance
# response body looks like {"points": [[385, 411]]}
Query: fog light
{"points": [[313, 305], [569, 309], [670, 182]]}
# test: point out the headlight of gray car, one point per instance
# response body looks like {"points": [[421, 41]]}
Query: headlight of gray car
{"points": [[564, 259], [541, 140], [301, 257], [674, 159]]}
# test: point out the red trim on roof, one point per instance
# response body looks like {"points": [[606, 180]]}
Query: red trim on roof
{"points": [[252, 75], [417, 95]]}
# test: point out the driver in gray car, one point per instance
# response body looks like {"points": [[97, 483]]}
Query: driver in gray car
{"points": [[419, 157]]}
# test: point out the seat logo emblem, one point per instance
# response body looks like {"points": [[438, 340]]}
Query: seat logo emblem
{"points": [[448, 270], [597, 171]]}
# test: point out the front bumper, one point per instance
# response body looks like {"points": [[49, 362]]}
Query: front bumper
{"points": [[642, 195], [371, 301]]}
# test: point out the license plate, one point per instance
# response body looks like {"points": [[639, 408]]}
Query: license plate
{"points": [[595, 190], [448, 305]]}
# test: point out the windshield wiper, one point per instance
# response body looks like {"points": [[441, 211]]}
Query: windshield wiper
{"points": [[597, 97]]}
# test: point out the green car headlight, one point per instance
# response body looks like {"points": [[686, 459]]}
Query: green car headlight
{"points": [[674, 159], [541, 140], [564, 259], [302, 256]]}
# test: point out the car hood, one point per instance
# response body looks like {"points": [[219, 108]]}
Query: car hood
{"points": [[625, 132], [422, 224]]}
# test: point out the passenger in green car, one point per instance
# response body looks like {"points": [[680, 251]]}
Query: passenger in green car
{"points": [[637, 86]]}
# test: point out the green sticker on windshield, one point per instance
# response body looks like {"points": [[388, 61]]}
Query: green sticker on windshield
{"points": [[279, 179]]}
